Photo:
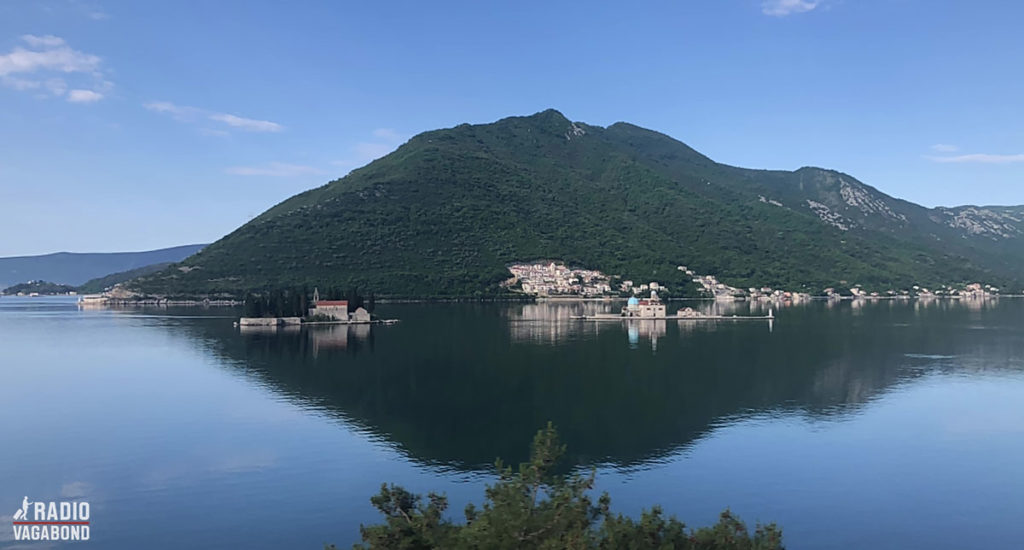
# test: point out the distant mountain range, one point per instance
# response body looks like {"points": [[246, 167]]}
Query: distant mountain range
{"points": [[447, 212], [69, 268]]}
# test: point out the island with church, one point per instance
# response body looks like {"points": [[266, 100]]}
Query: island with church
{"points": [[319, 312], [654, 308]]}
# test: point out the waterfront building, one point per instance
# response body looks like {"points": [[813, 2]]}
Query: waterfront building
{"points": [[360, 315], [651, 308], [337, 310]]}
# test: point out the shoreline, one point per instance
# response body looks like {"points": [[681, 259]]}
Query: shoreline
{"points": [[165, 302], [285, 322], [621, 318]]}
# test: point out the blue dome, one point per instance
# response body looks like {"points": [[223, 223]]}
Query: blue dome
{"points": [[633, 301]]}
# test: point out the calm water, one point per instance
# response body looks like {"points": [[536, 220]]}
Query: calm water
{"points": [[876, 425]]}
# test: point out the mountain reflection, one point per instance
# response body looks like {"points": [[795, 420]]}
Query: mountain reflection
{"points": [[459, 385]]}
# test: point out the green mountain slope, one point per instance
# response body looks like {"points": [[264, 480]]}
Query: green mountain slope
{"points": [[445, 213]]}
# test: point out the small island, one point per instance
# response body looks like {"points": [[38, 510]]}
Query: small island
{"points": [[282, 308], [654, 309], [39, 288]]}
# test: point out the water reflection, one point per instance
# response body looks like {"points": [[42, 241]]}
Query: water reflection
{"points": [[458, 385], [551, 322], [336, 337], [647, 329]]}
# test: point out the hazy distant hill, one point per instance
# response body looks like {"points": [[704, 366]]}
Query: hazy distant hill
{"points": [[445, 213], [70, 268]]}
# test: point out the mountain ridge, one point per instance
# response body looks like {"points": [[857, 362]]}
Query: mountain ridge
{"points": [[75, 268]]}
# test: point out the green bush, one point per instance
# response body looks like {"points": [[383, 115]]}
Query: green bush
{"points": [[535, 507]]}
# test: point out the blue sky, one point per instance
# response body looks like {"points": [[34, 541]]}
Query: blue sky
{"points": [[137, 125]]}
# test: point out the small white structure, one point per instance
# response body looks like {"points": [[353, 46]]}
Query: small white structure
{"points": [[92, 299], [360, 315]]}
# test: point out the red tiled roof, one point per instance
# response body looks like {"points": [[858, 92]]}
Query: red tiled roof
{"points": [[323, 303]]}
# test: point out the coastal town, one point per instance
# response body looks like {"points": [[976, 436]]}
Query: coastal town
{"points": [[551, 278], [555, 279]]}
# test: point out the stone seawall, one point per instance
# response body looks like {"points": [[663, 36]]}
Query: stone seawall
{"points": [[268, 321]]}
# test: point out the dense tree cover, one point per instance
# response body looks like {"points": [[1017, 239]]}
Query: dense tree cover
{"points": [[539, 507], [444, 214], [40, 287], [292, 302], [296, 301]]}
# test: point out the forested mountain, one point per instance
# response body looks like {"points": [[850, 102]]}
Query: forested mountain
{"points": [[69, 268], [445, 213]]}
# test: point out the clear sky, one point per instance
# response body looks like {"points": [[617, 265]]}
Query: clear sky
{"points": [[136, 125]]}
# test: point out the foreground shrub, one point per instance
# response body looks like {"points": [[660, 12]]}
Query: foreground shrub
{"points": [[536, 508]]}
